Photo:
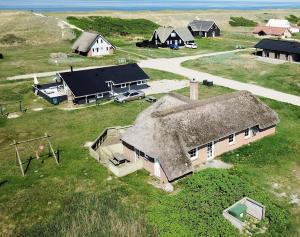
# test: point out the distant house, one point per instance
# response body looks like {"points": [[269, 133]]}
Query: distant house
{"points": [[279, 49], [282, 24], [204, 28], [166, 36], [92, 44], [175, 135], [272, 31], [87, 86]]}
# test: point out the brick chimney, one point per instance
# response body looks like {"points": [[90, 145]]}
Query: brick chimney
{"points": [[194, 85]]}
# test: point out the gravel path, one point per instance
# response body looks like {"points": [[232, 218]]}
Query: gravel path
{"points": [[174, 65]]}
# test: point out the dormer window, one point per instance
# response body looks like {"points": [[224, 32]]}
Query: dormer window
{"points": [[193, 154]]}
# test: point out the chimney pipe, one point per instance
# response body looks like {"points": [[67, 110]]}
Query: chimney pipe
{"points": [[71, 68], [194, 86]]}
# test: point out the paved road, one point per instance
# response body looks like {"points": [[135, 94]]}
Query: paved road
{"points": [[174, 65]]}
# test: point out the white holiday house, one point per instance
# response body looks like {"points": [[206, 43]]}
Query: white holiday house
{"points": [[92, 44]]}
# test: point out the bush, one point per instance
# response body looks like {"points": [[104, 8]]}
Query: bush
{"points": [[108, 26], [241, 21], [292, 19], [11, 39], [197, 209]]}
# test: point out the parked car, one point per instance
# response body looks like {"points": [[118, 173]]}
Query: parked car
{"points": [[130, 95], [191, 45], [174, 46]]}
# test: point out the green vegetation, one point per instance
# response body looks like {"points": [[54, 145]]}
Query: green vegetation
{"points": [[293, 19], [245, 68], [161, 75], [77, 199], [11, 39], [109, 26], [196, 210], [241, 21]]}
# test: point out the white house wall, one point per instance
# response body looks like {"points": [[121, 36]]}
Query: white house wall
{"points": [[100, 48]]}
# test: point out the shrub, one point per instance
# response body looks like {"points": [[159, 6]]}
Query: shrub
{"points": [[293, 19], [11, 39], [197, 209], [241, 21], [114, 26]]}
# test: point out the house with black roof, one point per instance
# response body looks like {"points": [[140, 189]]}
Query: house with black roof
{"points": [[204, 28], [279, 49], [85, 86]]}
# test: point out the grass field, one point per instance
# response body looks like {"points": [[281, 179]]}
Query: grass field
{"points": [[80, 198], [245, 68], [77, 199]]}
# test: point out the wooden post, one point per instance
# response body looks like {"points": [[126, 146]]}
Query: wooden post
{"points": [[18, 156], [51, 148]]}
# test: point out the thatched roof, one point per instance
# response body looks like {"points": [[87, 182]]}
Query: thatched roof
{"points": [[86, 40], [173, 126]]}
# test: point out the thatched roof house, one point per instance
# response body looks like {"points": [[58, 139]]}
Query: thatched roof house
{"points": [[174, 126], [92, 44]]}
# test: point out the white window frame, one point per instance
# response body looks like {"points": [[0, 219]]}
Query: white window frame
{"points": [[137, 154], [123, 85], [173, 34], [140, 83], [212, 151], [233, 139], [249, 133], [195, 157], [100, 95]]}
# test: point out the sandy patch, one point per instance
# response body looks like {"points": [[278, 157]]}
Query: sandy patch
{"points": [[38, 109], [13, 115]]}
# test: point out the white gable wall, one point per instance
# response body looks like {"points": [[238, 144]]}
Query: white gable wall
{"points": [[100, 47], [278, 23]]}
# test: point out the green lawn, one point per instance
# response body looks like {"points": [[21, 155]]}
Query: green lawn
{"points": [[245, 68], [227, 41], [76, 199]]}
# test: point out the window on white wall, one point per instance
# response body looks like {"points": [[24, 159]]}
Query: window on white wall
{"points": [[97, 50], [193, 154], [101, 40], [140, 82], [247, 133], [231, 139]]}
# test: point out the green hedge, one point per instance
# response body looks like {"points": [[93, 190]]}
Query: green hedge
{"points": [[293, 19], [241, 21], [114, 26]]}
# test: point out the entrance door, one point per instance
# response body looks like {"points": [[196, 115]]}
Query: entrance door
{"points": [[213, 34], [156, 168], [210, 151]]}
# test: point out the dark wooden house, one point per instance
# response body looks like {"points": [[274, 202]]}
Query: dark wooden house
{"points": [[204, 28], [166, 36], [279, 49], [85, 86]]}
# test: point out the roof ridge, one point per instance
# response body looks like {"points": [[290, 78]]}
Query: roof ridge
{"points": [[193, 105]]}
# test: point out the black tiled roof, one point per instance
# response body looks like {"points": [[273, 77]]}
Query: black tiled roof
{"points": [[93, 81], [279, 45]]}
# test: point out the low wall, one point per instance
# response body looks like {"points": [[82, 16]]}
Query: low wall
{"points": [[254, 209], [125, 169], [93, 149]]}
